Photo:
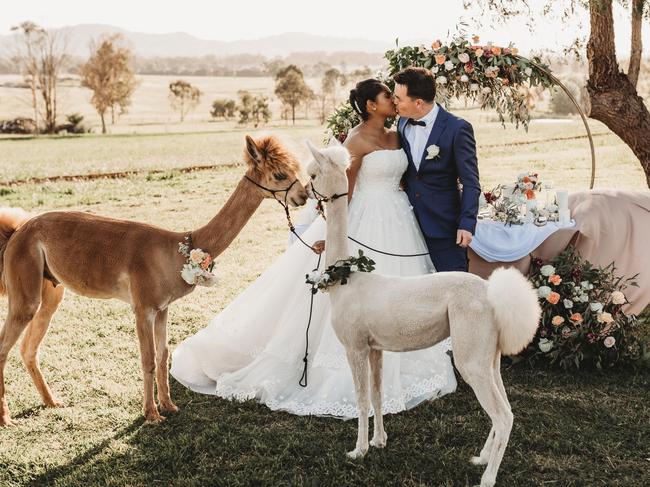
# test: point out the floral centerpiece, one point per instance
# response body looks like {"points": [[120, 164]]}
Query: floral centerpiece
{"points": [[583, 322], [199, 265], [493, 76]]}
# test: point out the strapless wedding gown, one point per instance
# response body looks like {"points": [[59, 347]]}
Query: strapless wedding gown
{"points": [[254, 348]]}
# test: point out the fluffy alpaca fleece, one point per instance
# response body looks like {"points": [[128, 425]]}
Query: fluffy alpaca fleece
{"points": [[373, 313]]}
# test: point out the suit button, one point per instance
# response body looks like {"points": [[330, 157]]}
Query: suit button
{"points": [[417, 177], [417, 195]]}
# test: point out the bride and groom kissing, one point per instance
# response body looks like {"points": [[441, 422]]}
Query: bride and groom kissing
{"points": [[404, 198]]}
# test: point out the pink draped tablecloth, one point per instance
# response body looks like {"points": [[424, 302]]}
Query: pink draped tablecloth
{"points": [[611, 226]]}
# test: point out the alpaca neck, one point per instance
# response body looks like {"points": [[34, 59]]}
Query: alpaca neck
{"points": [[217, 235], [337, 231]]}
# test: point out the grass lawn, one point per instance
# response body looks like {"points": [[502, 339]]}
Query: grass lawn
{"points": [[570, 429]]}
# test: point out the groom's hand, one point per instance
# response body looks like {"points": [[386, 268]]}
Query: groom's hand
{"points": [[463, 238]]}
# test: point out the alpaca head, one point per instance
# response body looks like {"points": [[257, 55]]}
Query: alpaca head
{"points": [[328, 170], [272, 166]]}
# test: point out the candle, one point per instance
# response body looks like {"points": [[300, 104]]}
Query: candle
{"points": [[564, 218], [562, 196]]}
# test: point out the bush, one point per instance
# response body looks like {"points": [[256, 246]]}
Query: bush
{"points": [[561, 104], [18, 125], [223, 109], [74, 125]]}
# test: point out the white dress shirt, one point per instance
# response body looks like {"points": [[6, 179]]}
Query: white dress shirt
{"points": [[417, 136]]}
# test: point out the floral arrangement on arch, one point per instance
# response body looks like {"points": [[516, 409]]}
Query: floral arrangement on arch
{"points": [[583, 323], [489, 75]]}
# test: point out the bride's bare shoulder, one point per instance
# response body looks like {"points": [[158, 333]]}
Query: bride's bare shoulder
{"points": [[357, 144]]}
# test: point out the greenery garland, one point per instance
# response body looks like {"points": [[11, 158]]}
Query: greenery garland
{"points": [[339, 272]]}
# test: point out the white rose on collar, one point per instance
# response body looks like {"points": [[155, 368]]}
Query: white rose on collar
{"points": [[433, 151]]}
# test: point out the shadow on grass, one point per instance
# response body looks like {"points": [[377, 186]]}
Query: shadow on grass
{"points": [[569, 430]]}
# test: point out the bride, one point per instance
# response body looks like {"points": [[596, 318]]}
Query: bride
{"points": [[254, 348]]}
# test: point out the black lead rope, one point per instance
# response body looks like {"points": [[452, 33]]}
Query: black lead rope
{"points": [[305, 359]]}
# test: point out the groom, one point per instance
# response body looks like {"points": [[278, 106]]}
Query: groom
{"points": [[442, 152]]}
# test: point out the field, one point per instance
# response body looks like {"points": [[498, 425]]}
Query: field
{"points": [[570, 429]]}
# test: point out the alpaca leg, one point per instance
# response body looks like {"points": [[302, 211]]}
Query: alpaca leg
{"points": [[51, 298], [144, 320], [358, 361], [162, 356], [376, 362], [487, 392]]}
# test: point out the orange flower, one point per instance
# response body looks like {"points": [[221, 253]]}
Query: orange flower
{"points": [[206, 262], [514, 51], [440, 58], [479, 52], [475, 39], [553, 298], [555, 279], [530, 194], [526, 179], [557, 320], [496, 50], [469, 68], [435, 45], [577, 317], [505, 81]]}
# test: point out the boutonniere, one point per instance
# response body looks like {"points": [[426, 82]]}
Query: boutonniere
{"points": [[433, 152]]}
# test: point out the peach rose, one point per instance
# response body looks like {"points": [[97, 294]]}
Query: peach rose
{"points": [[469, 68], [555, 279], [514, 51], [440, 58], [496, 50], [206, 262], [576, 317], [479, 52], [553, 298], [435, 45], [557, 320], [505, 81]]}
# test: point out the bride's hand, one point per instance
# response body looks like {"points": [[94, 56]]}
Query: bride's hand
{"points": [[318, 247]]}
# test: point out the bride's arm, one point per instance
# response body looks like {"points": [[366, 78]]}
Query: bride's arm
{"points": [[356, 156]]}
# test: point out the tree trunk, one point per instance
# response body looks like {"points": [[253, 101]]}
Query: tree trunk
{"points": [[612, 97], [101, 115], [293, 114], [636, 48]]}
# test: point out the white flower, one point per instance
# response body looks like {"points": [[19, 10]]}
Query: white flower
{"points": [[441, 80], [547, 270], [568, 304], [463, 57], [354, 268], [528, 71], [618, 297], [543, 291], [449, 65], [552, 208], [432, 151], [434, 70], [583, 298], [529, 185], [325, 277], [486, 90], [313, 276], [596, 307], [545, 345], [605, 318], [609, 341], [190, 273], [464, 78], [473, 87], [584, 284], [197, 256]]}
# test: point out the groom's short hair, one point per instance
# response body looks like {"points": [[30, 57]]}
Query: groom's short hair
{"points": [[419, 82]]}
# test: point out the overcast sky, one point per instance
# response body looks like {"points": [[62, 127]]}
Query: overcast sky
{"points": [[251, 19]]}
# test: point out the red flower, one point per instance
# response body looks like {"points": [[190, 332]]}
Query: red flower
{"points": [[342, 137]]}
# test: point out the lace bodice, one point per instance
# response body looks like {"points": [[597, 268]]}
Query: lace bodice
{"points": [[381, 170]]}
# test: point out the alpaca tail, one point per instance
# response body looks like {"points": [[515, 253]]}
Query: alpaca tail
{"points": [[10, 220], [516, 309]]}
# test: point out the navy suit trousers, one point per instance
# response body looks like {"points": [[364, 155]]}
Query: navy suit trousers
{"points": [[446, 255]]}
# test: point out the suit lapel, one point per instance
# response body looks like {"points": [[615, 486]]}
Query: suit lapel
{"points": [[437, 129], [401, 127]]}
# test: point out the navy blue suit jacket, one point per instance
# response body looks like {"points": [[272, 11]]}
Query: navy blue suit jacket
{"points": [[440, 207]]}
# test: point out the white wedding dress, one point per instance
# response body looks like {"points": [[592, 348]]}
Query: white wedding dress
{"points": [[254, 348]]}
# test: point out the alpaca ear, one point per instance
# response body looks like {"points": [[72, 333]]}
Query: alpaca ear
{"points": [[253, 150], [333, 142], [318, 156]]}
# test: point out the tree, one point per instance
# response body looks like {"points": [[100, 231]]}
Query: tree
{"points": [[43, 55], [253, 109], [332, 79], [223, 108], [109, 75], [291, 88], [612, 95], [184, 97]]}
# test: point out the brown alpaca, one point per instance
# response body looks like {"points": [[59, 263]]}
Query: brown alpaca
{"points": [[138, 263]]}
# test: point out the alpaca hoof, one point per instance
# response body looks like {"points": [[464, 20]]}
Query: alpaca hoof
{"points": [[54, 404], [154, 418], [356, 453], [379, 442], [170, 407], [488, 482], [6, 422], [478, 460]]}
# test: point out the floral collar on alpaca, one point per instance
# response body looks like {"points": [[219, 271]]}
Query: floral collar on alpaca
{"points": [[198, 268], [339, 272]]}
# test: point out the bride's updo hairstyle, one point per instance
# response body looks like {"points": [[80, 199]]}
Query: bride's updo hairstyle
{"points": [[366, 90]]}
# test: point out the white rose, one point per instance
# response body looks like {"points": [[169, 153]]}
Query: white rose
{"points": [[354, 268], [197, 256], [463, 57], [313, 276], [449, 65], [189, 273], [435, 69], [547, 270], [543, 291], [528, 71], [618, 297], [605, 318], [432, 151], [441, 80], [609, 341], [568, 304], [473, 87], [464, 78], [583, 298], [486, 90], [596, 307], [545, 345], [584, 284]]}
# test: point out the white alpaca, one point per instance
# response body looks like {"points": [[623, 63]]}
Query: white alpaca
{"points": [[373, 313]]}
